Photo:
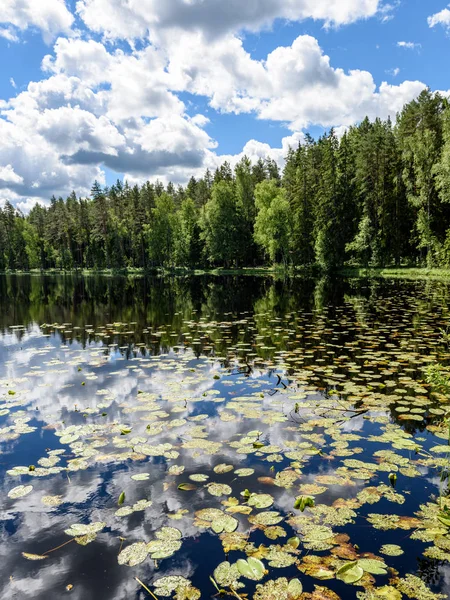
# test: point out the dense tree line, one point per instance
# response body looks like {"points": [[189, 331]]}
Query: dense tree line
{"points": [[378, 196]]}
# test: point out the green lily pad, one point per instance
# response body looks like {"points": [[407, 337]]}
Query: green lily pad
{"points": [[133, 555], [374, 567], [260, 500], [219, 489], [350, 573], [252, 568]]}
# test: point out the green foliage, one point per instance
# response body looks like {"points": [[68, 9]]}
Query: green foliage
{"points": [[377, 197], [162, 232], [439, 378], [273, 223], [222, 225]]}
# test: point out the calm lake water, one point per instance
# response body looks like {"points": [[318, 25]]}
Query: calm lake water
{"points": [[159, 428]]}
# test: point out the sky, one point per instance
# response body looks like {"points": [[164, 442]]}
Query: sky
{"points": [[164, 89]]}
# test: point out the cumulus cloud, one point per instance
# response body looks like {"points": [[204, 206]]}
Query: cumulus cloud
{"points": [[295, 84], [8, 176], [440, 18], [133, 19], [103, 106], [58, 133], [49, 16]]}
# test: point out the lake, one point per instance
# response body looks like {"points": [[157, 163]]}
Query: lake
{"points": [[235, 436]]}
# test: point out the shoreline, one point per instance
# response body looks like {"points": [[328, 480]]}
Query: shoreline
{"points": [[348, 272]]}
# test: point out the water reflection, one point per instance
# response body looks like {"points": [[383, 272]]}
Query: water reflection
{"points": [[318, 369]]}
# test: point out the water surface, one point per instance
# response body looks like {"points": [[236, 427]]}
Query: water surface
{"points": [[253, 393]]}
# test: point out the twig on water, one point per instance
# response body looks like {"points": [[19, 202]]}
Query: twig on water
{"points": [[58, 547], [146, 588]]}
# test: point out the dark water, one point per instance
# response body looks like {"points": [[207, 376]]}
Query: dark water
{"points": [[318, 387]]}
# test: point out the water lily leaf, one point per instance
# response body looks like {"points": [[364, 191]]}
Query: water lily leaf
{"points": [[84, 540], [209, 514], [286, 479], [121, 499], [387, 592], [176, 469], [79, 529], [180, 585], [20, 491], [178, 515], [125, 511], [444, 518], [167, 543], [260, 500], [219, 489], [294, 542], [295, 589], [414, 587], [269, 517], [252, 568], [279, 589], [312, 489], [280, 557], [225, 523], [187, 487], [33, 556], [244, 472], [258, 445], [350, 573], [52, 500], [199, 477], [274, 532], [315, 566], [223, 468], [228, 575], [374, 567], [391, 550], [133, 555]]}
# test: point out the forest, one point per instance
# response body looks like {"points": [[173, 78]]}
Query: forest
{"points": [[379, 195]]}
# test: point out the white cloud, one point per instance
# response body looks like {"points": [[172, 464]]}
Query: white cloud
{"points": [[88, 60], [8, 175], [409, 45], [440, 18], [295, 84], [50, 16], [103, 107], [31, 148], [58, 133], [9, 34], [12, 82], [133, 19]]}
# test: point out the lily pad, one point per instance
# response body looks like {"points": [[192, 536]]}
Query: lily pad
{"points": [[350, 572], [133, 555], [20, 491], [252, 568]]}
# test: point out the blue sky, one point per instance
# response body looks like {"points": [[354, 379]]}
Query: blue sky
{"points": [[146, 90]]}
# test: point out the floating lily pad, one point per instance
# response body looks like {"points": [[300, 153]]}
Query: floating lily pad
{"points": [[260, 500], [219, 489], [350, 573], [20, 491], [252, 568]]}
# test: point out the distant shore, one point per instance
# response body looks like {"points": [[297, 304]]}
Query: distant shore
{"points": [[358, 272]]}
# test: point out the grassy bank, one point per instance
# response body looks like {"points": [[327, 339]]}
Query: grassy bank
{"points": [[277, 271], [396, 273]]}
